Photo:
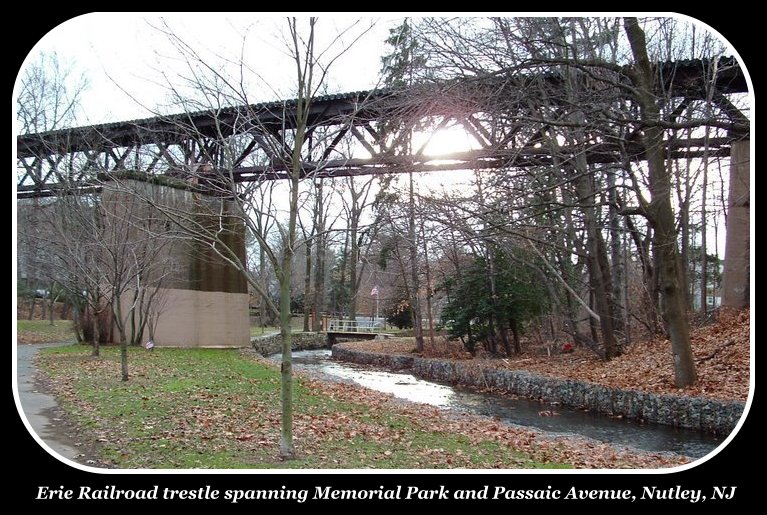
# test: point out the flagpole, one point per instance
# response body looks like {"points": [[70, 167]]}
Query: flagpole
{"points": [[375, 291]]}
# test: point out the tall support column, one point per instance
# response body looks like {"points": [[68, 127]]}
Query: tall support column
{"points": [[203, 298], [737, 273]]}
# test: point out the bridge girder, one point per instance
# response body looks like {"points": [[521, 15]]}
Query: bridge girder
{"points": [[506, 114]]}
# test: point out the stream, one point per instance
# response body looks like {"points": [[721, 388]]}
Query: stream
{"points": [[514, 411]]}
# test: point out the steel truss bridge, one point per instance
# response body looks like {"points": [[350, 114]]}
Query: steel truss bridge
{"points": [[512, 116]]}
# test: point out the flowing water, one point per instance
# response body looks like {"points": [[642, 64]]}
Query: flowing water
{"points": [[521, 412]]}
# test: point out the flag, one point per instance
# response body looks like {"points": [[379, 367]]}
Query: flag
{"points": [[374, 291]]}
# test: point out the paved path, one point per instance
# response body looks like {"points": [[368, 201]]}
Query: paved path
{"points": [[38, 406], [263, 336]]}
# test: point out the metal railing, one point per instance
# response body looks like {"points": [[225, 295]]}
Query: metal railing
{"points": [[354, 326]]}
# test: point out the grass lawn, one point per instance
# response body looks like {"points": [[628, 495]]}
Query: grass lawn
{"points": [[256, 330], [39, 331], [296, 325], [206, 408]]}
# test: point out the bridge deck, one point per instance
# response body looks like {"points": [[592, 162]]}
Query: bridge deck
{"points": [[205, 147], [368, 336], [334, 336]]}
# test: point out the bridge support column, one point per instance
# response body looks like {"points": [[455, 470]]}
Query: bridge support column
{"points": [[736, 277], [203, 300]]}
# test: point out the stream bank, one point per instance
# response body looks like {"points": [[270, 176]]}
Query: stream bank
{"points": [[700, 414], [592, 430]]}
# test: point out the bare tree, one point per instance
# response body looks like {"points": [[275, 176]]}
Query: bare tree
{"points": [[111, 254], [235, 203], [323, 197], [356, 201], [567, 85], [660, 212], [49, 94]]}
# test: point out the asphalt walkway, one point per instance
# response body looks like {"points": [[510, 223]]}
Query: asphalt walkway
{"points": [[39, 406]]}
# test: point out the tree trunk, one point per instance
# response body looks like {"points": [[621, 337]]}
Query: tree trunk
{"points": [[354, 258], [118, 320], [515, 332], [684, 197], [599, 269], [500, 318], [607, 319], [262, 280], [77, 324], [649, 299], [341, 304], [287, 450], [596, 252], [626, 298], [319, 261], [96, 333], [286, 369], [31, 312], [412, 245], [427, 270], [661, 213], [308, 285], [124, 357], [592, 300], [703, 239], [318, 303], [616, 257], [50, 309]]}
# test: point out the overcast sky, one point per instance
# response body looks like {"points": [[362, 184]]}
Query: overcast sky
{"points": [[129, 62], [124, 55]]}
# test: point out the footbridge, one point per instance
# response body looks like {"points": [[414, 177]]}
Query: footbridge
{"points": [[340, 329]]}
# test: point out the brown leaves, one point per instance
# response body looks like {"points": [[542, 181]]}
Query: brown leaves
{"points": [[721, 350], [171, 418], [478, 431]]}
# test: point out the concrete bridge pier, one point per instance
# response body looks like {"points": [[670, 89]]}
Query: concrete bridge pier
{"points": [[203, 300], [736, 276]]}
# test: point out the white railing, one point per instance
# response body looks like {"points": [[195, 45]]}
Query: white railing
{"points": [[353, 326]]}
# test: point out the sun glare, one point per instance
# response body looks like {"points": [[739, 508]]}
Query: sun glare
{"points": [[445, 141]]}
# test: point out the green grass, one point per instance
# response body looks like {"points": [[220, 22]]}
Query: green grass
{"points": [[296, 324], [38, 331], [214, 408], [260, 331]]}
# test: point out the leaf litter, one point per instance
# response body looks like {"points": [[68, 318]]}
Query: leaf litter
{"points": [[220, 409], [721, 351]]}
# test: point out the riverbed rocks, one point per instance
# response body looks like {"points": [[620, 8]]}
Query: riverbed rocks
{"points": [[272, 344]]}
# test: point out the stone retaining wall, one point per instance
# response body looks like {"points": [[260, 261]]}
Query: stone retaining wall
{"points": [[301, 341], [709, 415]]}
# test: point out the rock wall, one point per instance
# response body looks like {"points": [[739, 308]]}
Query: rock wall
{"points": [[301, 341], [709, 415]]}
